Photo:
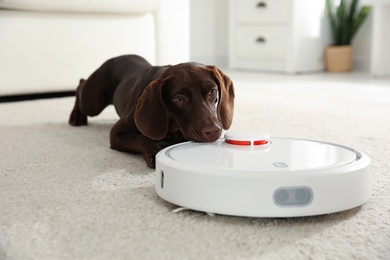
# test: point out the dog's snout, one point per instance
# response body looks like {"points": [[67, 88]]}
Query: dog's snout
{"points": [[211, 132]]}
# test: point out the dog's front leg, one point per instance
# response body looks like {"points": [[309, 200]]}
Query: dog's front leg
{"points": [[122, 139]]}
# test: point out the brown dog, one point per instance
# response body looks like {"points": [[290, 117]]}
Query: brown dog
{"points": [[157, 106]]}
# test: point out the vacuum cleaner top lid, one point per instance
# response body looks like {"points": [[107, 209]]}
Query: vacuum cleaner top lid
{"points": [[255, 151]]}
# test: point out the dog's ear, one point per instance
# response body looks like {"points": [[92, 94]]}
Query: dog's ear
{"points": [[226, 97], [151, 117]]}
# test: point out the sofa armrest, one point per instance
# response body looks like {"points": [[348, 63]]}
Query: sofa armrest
{"points": [[84, 6]]}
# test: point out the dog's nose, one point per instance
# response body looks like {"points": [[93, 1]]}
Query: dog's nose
{"points": [[211, 132]]}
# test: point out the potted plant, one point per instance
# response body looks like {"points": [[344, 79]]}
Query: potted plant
{"points": [[345, 20]]}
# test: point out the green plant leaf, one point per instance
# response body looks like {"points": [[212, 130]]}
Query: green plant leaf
{"points": [[364, 11], [351, 20], [340, 13], [352, 11], [332, 18], [344, 21]]}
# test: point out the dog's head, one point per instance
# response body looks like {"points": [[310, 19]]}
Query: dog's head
{"points": [[195, 99]]}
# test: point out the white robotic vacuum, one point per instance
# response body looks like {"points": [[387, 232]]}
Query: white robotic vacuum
{"points": [[250, 174]]}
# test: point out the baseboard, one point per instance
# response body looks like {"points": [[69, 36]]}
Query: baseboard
{"points": [[15, 98], [361, 65]]}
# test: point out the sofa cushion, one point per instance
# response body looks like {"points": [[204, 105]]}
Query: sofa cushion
{"points": [[84, 6]]}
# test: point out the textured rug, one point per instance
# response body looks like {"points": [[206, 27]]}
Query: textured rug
{"points": [[64, 194]]}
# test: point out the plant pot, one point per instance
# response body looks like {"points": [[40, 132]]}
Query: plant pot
{"points": [[338, 58]]}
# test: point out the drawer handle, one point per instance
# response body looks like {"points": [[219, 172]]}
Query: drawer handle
{"points": [[261, 5], [260, 40]]}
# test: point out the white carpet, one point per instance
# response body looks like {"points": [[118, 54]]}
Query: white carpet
{"points": [[64, 194]]}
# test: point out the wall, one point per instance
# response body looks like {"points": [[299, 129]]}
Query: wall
{"points": [[209, 31], [362, 46], [209, 35]]}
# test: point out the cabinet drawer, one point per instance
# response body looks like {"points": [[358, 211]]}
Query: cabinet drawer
{"points": [[264, 11], [261, 42]]}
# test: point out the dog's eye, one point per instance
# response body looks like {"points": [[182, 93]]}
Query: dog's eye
{"points": [[179, 99], [212, 92]]}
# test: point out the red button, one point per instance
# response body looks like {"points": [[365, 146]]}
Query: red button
{"points": [[238, 142], [247, 138], [247, 143], [260, 142]]}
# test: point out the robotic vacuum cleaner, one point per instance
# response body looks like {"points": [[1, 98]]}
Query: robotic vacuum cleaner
{"points": [[250, 174]]}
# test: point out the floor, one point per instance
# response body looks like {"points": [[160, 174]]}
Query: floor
{"points": [[66, 195]]}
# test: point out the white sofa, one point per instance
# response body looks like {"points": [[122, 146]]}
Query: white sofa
{"points": [[48, 45]]}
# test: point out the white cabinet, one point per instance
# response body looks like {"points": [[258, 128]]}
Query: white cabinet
{"points": [[277, 35]]}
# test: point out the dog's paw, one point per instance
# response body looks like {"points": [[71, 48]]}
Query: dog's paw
{"points": [[77, 118], [150, 155], [150, 161]]}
